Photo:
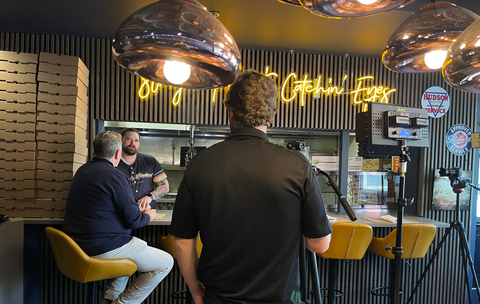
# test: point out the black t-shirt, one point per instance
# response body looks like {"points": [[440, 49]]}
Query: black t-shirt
{"points": [[251, 200], [141, 174]]}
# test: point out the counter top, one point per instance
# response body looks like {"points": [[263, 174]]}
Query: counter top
{"points": [[372, 218]]}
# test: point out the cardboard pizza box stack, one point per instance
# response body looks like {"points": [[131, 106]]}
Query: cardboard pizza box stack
{"points": [[61, 126], [18, 90]]}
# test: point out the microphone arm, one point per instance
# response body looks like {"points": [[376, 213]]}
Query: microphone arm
{"points": [[342, 198]]}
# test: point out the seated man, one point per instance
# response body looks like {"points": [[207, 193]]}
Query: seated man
{"points": [[100, 215]]}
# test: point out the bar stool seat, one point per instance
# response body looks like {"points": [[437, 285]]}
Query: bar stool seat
{"points": [[74, 263], [349, 242], [167, 245], [416, 239]]}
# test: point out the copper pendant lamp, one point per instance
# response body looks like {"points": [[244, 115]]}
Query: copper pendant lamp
{"points": [[338, 9], [177, 43], [291, 2], [462, 66], [420, 43]]}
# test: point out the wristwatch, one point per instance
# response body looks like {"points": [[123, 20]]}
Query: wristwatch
{"points": [[151, 196]]}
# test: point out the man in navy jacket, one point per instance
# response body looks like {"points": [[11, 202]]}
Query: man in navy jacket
{"points": [[100, 215]]}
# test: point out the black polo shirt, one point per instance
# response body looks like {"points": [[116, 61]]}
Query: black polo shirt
{"points": [[251, 200]]}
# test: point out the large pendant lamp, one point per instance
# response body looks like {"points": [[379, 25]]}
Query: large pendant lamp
{"points": [[421, 42], [338, 9], [291, 2], [462, 66], [177, 43]]}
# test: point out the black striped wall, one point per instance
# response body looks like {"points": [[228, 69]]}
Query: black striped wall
{"points": [[113, 96]]}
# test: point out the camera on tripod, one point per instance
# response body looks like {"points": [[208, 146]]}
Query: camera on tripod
{"points": [[295, 145], [453, 175]]}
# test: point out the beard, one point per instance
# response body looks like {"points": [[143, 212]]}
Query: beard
{"points": [[129, 151]]}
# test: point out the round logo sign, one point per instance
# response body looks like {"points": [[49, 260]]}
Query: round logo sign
{"points": [[459, 139], [436, 101]]}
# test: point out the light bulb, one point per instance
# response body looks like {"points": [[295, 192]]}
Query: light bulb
{"points": [[366, 2], [434, 59], [176, 72]]}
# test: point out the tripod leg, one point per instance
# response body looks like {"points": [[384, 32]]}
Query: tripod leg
{"points": [[430, 261], [315, 279], [467, 258]]}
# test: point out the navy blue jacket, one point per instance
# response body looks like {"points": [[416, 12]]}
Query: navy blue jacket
{"points": [[101, 211]]}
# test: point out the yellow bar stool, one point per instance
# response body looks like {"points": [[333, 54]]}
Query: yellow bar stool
{"points": [[167, 245], [416, 239], [349, 242], [74, 263]]}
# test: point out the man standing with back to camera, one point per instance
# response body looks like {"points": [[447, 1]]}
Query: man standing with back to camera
{"points": [[251, 201], [147, 178]]}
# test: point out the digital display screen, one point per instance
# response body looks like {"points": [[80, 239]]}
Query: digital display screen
{"points": [[404, 133]]}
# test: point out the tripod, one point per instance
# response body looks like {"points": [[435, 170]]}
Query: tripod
{"points": [[396, 271], [458, 187]]}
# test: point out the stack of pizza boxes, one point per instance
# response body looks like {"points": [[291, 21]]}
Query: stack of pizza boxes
{"points": [[18, 90], [61, 127]]}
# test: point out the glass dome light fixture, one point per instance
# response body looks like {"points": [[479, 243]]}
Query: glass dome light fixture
{"points": [[462, 66], [291, 2], [338, 9], [420, 43], [181, 31]]}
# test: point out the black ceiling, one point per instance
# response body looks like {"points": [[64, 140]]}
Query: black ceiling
{"points": [[260, 24]]}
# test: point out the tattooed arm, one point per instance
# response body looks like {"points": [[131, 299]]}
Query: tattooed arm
{"points": [[161, 188]]}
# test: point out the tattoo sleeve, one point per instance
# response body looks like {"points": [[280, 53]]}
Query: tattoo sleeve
{"points": [[161, 188]]}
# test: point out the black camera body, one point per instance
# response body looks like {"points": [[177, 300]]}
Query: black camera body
{"points": [[453, 175]]}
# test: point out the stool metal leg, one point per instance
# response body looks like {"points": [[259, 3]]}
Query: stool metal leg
{"points": [[315, 279], [332, 277]]}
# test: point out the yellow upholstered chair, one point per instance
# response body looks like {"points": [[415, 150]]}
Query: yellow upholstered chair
{"points": [[416, 239], [74, 263], [349, 242], [167, 245]]}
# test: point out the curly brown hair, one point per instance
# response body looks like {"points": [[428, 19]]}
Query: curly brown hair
{"points": [[253, 99]]}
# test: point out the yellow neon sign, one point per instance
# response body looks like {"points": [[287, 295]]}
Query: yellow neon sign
{"points": [[294, 87]]}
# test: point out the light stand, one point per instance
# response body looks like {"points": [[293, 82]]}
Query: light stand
{"points": [[396, 272], [458, 186], [313, 258]]}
